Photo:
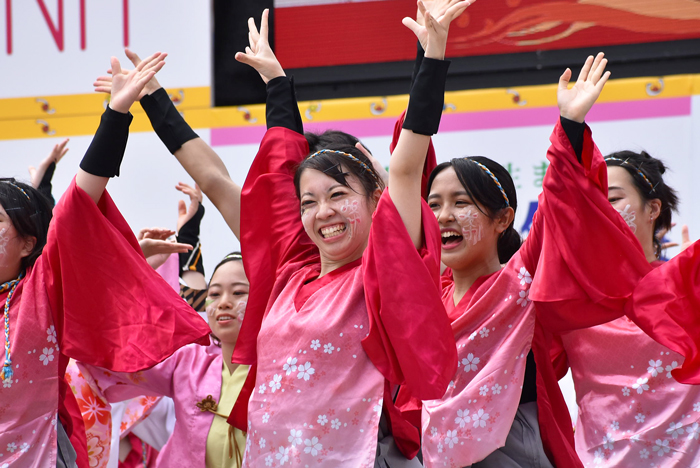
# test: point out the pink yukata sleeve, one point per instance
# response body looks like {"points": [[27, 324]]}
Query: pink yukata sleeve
{"points": [[584, 259], [273, 241], [111, 308], [665, 305], [410, 339]]}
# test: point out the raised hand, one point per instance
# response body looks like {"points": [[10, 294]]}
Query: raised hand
{"points": [[186, 213], [156, 248], [127, 87], [575, 103], [36, 174], [259, 55], [103, 84], [433, 33], [437, 8]]}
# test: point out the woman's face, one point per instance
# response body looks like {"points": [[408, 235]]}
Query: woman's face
{"points": [[468, 235], [226, 301], [336, 218], [626, 199], [12, 247]]}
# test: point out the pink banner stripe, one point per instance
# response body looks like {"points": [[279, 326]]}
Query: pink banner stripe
{"points": [[487, 120]]}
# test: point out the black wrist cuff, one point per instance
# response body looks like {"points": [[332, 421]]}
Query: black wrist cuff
{"points": [[427, 97], [575, 132], [420, 53], [104, 156], [45, 185], [189, 234], [281, 109], [167, 122]]}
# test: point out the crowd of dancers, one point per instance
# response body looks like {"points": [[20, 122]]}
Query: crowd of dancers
{"points": [[391, 319]]}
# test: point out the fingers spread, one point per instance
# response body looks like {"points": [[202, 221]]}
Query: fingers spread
{"points": [[116, 67], [564, 79], [585, 70], [411, 24]]}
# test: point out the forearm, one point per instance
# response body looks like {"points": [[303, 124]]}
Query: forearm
{"points": [[281, 108], [575, 131], [104, 156]]}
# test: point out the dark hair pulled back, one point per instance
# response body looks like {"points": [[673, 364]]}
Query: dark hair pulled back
{"points": [[232, 257], [653, 189], [339, 167], [330, 139], [29, 216], [482, 189]]}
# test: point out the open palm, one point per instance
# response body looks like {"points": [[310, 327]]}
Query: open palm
{"points": [[432, 34], [574, 103], [126, 87]]}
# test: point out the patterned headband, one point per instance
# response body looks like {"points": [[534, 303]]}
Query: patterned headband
{"points": [[495, 179], [233, 256], [652, 188], [365, 166], [11, 181]]}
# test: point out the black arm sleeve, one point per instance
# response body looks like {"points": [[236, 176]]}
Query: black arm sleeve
{"points": [[167, 122], [189, 234], [427, 97], [420, 53], [45, 185], [574, 131], [281, 108], [104, 156]]}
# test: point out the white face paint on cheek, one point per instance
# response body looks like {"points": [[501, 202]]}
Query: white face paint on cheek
{"points": [[3, 241], [240, 311], [629, 217], [351, 211], [471, 228]]}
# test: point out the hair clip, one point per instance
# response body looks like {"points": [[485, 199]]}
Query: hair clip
{"points": [[11, 181], [365, 166]]}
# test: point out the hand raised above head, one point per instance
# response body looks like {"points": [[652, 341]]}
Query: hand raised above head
{"points": [[259, 55], [433, 33], [127, 87], [575, 103], [36, 174], [186, 213]]}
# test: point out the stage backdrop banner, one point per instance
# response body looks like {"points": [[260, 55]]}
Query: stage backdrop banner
{"points": [[371, 31]]}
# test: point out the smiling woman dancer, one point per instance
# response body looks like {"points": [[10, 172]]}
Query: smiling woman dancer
{"points": [[79, 288]]}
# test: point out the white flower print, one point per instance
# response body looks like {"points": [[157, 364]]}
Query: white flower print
{"points": [[7, 383], [640, 418], [472, 336], [47, 356], [484, 390], [524, 298], [322, 419], [328, 348], [669, 368], [608, 441], [315, 344], [265, 417], [275, 383], [262, 442], [484, 332], [644, 453], [335, 424], [440, 448], [696, 407], [294, 437], [377, 408], [268, 460], [615, 425], [675, 429], [451, 439], [625, 391], [305, 371], [480, 418], [470, 362], [661, 447], [496, 389], [11, 447], [524, 276], [262, 388], [655, 368], [462, 419], [290, 366], [51, 332], [634, 438], [24, 448], [282, 455], [598, 456], [693, 431], [312, 446], [641, 385]]}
